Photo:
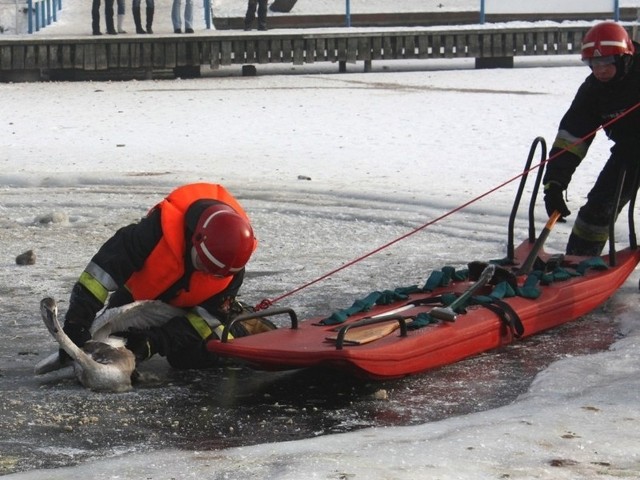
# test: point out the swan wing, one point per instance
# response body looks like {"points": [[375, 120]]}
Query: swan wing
{"points": [[140, 315]]}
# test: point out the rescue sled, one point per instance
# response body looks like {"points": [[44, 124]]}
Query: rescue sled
{"points": [[454, 315]]}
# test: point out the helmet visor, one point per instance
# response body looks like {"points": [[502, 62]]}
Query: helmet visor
{"points": [[600, 61]]}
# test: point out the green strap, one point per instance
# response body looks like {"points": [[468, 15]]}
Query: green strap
{"points": [[530, 287], [358, 306], [447, 275], [433, 281], [422, 320], [400, 293], [597, 263], [365, 304], [559, 274], [443, 278], [503, 290]]}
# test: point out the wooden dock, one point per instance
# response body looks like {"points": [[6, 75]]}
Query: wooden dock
{"points": [[37, 58]]}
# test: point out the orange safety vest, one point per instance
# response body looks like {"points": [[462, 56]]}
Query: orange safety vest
{"points": [[165, 265]]}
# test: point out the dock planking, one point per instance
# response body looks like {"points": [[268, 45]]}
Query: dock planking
{"points": [[153, 56]]}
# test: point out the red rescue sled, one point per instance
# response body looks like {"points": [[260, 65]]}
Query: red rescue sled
{"points": [[457, 319]]}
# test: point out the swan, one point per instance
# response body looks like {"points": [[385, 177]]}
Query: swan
{"points": [[103, 364]]}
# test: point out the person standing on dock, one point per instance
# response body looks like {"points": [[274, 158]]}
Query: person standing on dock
{"points": [[188, 16], [120, 13], [108, 16], [261, 5], [137, 19], [605, 98]]}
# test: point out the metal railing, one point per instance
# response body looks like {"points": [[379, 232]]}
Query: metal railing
{"points": [[41, 13]]}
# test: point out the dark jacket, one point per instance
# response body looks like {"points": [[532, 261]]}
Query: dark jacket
{"points": [[594, 105], [124, 256]]}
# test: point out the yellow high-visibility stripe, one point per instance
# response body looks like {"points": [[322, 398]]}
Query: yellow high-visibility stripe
{"points": [[200, 325], [566, 142], [203, 328], [591, 233], [94, 286]]}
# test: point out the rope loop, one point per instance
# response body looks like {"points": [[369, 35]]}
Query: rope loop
{"points": [[263, 305]]}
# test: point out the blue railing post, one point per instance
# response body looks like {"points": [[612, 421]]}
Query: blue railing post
{"points": [[348, 14], [30, 16], [207, 14], [481, 11], [616, 10], [43, 13], [37, 13]]}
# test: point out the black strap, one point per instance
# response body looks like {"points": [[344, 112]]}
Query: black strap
{"points": [[507, 315]]}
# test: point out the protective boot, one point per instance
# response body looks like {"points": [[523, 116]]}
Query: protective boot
{"points": [[137, 20], [120, 24], [149, 19]]}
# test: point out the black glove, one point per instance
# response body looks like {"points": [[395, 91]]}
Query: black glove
{"points": [[138, 343], [553, 200], [78, 334]]}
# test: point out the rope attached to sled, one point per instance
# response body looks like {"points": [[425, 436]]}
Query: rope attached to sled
{"points": [[266, 303]]}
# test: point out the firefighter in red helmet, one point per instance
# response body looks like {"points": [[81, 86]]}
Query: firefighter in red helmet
{"points": [[189, 251], [610, 90]]}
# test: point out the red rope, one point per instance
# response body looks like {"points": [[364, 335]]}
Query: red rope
{"points": [[266, 303]]}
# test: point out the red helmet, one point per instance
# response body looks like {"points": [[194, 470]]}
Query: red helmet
{"points": [[223, 240], [606, 39]]}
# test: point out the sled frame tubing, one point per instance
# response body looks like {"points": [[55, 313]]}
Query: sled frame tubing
{"points": [[534, 195], [402, 320], [224, 338]]}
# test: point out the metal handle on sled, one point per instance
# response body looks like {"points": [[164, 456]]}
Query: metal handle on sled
{"points": [[224, 338], [371, 321], [523, 180]]}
